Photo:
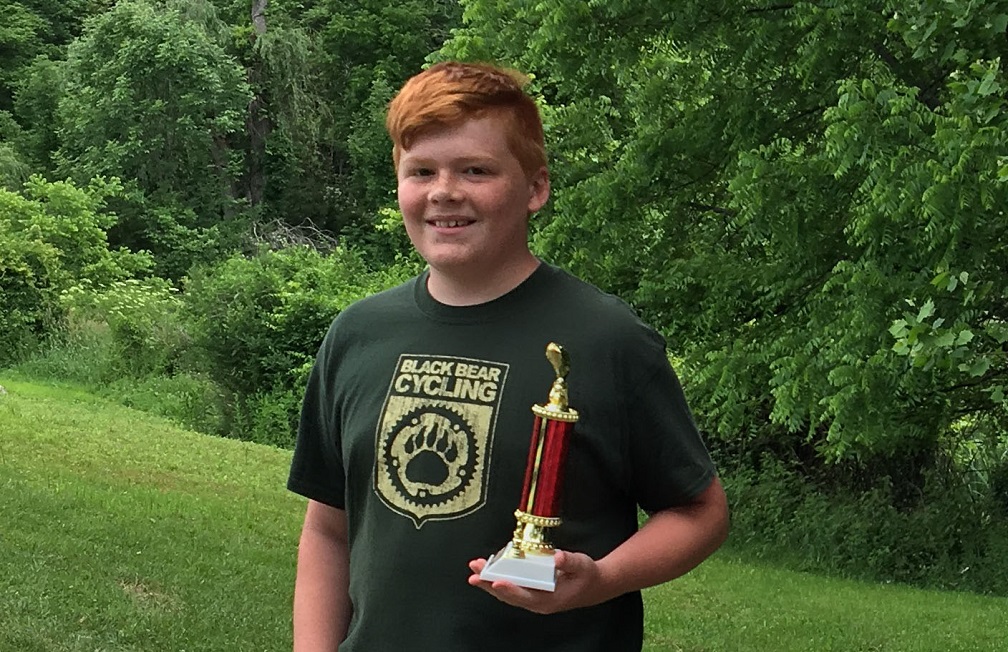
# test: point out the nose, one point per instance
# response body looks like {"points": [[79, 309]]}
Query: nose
{"points": [[445, 189]]}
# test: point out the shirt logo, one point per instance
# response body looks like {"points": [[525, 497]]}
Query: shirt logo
{"points": [[435, 435]]}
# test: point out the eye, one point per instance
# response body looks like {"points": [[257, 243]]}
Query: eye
{"points": [[476, 170]]}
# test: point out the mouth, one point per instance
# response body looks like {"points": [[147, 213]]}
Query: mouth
{"points": [[449, 223]]}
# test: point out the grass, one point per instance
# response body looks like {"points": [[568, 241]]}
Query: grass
{"points": [[728, 604], [119, 531], [122, 532]]}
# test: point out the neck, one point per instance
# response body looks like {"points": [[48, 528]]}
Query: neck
{"points": [[455, 289]]}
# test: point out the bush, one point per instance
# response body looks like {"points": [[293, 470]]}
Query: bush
{"points": [[267, 418], [230, 356], [128, 341], [259, 322], [950, 539], [52, 235], [29, 303], [83, 353], [144, 320]]}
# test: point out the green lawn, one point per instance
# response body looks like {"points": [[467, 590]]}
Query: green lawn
{"points": [[119, 531]]}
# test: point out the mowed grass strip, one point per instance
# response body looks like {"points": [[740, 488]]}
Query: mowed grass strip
{"points": [[119, 531]]}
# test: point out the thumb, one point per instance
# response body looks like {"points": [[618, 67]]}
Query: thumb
{"points": [[567, 561]]}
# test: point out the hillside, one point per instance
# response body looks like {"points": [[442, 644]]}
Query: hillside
{"points": [[123, 532]]}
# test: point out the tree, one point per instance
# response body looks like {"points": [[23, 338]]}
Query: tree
{"points": [[363, 52], [152, 95], [35, 29], [322, 73], [35, 107], [807, 198]]}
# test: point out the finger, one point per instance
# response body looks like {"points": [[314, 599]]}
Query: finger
{"points": [[477, 565], [517, 596], [566, 563], [514, 594], [498, 589]]}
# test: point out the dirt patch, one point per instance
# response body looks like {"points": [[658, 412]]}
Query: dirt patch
{"points": [[147, 595]]}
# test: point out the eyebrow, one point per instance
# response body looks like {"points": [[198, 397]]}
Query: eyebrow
{"points": [[462, 161]]}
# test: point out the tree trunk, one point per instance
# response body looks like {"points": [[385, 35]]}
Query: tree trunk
{"points": [[259, 16], [258, 124]]}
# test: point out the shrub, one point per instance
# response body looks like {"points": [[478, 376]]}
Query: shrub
{"points": [[74, 221], [261, 320], [29, 303], [83, 354], [951, 538], [143, 318], [267, 418], [258, 323], [52, 235]]}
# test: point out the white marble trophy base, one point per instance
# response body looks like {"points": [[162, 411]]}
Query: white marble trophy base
{"points": [[533, 570]]}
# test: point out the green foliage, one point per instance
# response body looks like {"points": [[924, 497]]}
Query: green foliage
{"points": [[213, 125], [259, 319], [13, 170], [33, 37], [126, 330], [129, 341], [192, 401], [287, 115], [74, 222], [35, 107], [230, 356], [259, 322], [783, 189], [363, 52], [142, 317], [384, 242], [171, 231], [29, 307], [949, 540], [152, 96], [52, 235], [20, 40], [83, 354], [268, 418]]}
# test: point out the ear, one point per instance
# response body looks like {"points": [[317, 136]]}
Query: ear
{"points": [[539, 188]]}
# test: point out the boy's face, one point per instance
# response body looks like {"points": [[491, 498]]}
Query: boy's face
{"points": [[465, 198]]}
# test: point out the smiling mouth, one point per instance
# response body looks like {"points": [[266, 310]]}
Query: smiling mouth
{"points": [[450, 224]]}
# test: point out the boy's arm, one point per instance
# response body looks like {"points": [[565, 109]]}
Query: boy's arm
{"points": [[671, 543], [322, 606]]}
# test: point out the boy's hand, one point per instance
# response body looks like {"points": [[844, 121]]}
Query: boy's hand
{"points": [[579, 583]]}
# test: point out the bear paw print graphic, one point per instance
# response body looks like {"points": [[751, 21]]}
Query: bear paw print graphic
{"points": [[431, 455]]}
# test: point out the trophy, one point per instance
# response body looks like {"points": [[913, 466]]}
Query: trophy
{"points": [[527, 560]]}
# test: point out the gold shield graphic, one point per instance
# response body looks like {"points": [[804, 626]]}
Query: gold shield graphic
{"points": [[435, 435]]}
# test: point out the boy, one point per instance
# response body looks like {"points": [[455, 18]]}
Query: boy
{"points": [[416, 420]]}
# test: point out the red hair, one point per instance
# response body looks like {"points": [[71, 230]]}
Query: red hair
{"points": [[449, 93]]}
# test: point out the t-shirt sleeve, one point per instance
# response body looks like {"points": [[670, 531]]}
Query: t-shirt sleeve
{"points": [[670, 464], [317, 470]]}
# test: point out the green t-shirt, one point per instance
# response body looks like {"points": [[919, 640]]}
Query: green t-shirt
{"points": [[417, 420]]}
